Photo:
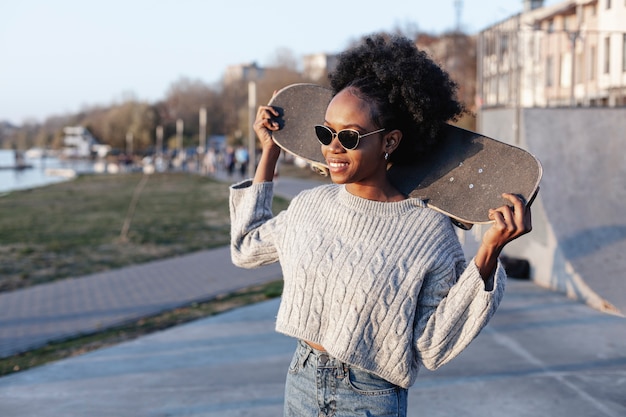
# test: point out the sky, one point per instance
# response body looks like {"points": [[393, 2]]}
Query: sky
{"points": [[58, 57]]}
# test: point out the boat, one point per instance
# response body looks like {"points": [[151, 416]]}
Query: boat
{"points": [[61, 172], [35, 153]]}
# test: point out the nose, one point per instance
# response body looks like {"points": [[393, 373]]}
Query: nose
{"points": [[335, 145]]}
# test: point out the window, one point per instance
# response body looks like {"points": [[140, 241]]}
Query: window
{"points": [[624, 52], [504, 45], [607, 55], [549, 71], [565, 70], [592, 63]]}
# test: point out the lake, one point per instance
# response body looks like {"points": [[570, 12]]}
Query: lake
{"points": [[14, 179]]}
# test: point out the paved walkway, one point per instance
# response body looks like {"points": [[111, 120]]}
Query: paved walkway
{"points": [[35, 316], [542, 354]]}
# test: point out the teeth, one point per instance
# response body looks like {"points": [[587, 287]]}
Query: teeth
{"points": [[337, 164]]}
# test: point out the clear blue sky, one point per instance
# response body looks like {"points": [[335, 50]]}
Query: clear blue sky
{"points": [[59, 56]]}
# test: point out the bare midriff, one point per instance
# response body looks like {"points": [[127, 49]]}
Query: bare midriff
{"points": [[315, 346]]}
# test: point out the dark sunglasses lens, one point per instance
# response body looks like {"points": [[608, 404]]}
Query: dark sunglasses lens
{"points": [[324, 135], [349, 139]]}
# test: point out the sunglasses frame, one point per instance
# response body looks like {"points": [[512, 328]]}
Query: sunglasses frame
{"points": [[336, 135]]}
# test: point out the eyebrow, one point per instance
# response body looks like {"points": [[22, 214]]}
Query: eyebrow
{"points": [[354, 126]]}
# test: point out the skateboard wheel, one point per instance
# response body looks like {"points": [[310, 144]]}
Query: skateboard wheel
{"points": [[320, 169]]}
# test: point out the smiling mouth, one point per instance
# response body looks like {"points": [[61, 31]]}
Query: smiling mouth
{"points": [[336, 165]]}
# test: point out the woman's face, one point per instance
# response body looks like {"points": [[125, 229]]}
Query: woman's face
{"points": [[365, 165]]}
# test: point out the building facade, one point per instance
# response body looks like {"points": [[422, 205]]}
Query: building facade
{"points": [[318, 66], [243, 72], [569, 54], [78, 142]]}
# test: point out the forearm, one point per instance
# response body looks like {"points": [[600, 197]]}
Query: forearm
{"points": [[486, 260], [267, 165], [458, 317], [252, 224]]}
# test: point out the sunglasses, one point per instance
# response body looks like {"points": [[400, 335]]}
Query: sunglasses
{"points": [[349, 138]]}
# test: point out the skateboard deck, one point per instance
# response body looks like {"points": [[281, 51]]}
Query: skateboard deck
{"points": [[463, 176]]}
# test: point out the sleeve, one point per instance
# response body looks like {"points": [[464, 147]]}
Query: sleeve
{"points": [[454, 305], [254, 229]]}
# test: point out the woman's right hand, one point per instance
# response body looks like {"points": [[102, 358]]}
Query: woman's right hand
{"points": [[264, 125]]}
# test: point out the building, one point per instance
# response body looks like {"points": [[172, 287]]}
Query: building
{"points": [[318, 66], [551, 80], [245, 72], [78, 142], [315, 67], [570, 54]]}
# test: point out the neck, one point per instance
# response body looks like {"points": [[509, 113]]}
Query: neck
{"points": [[384, 193]]}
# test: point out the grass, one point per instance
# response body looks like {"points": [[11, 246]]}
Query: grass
{"points": [[84, 226]]}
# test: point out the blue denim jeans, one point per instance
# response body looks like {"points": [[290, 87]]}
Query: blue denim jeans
{"points": [[320, 385]]}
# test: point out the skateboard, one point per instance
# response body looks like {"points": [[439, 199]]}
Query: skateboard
{"points": [[462, 177]]}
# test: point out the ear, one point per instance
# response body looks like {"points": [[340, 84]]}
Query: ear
{"points": [[392, 140]]}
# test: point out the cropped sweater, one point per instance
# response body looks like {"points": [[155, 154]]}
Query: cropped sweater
{"points": [[382, 286]]}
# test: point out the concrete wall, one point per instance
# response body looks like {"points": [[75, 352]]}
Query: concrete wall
{"points": [[578, 243]]}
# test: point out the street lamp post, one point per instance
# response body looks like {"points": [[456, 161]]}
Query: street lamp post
{"points": [[159, 141], [159, 148], [180, 157], [179, 134], [129, 144], [251, 135], [202, 139], [202, 145]]}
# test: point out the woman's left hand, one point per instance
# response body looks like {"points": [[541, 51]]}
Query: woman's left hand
{"points": [[510, 222]]}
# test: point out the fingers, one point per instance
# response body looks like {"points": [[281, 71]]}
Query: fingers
{"points": [[521, 210], [264, 125], [512, 220], [267, 112], [509, 222], [265, 118], [504, 220]]}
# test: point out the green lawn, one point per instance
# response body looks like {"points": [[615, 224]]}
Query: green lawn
{"points": [[99, 222]]}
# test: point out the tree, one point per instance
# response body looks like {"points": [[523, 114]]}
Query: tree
{"points": [[111, 125], [456, 53], [183, 100], [234, 99]]}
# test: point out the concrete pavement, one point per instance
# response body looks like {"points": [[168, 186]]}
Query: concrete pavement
{"points": [[542, 354], [32, 317]]}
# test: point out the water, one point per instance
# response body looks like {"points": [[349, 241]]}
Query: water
{"points": [[13, 179]]}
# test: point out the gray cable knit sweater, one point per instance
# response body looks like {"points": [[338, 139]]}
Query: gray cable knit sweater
{"points": [[382, 286]]}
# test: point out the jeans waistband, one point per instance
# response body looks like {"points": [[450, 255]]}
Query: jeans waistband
{"points": [[322, 358]]}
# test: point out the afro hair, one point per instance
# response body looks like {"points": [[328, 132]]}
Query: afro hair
{"points": [[408, 90]]}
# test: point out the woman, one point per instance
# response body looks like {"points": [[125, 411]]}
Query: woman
{"points": [[375, 284]]}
